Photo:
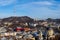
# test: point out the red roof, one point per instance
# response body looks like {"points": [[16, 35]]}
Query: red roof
{"points": [[18, 28]]}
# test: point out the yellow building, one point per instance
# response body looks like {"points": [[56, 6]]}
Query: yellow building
{"points": [[50, 32]]}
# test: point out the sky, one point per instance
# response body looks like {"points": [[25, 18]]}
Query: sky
{"points": [[42, 9]]}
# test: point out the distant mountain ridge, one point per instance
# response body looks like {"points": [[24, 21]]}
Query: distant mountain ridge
{"points": [[25, 19], [20, 19]]}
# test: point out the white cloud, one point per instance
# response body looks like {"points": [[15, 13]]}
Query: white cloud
{"points": [[34, 4], [43, 3], [36, 11], [6, 2]]}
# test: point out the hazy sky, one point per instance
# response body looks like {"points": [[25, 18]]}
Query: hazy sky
{"points": [[32, 8]]}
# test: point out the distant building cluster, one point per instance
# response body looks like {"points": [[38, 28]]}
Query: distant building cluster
{"points": [[25, 28]]}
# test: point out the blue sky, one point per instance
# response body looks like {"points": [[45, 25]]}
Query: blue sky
{"points": [[33, 8]]}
